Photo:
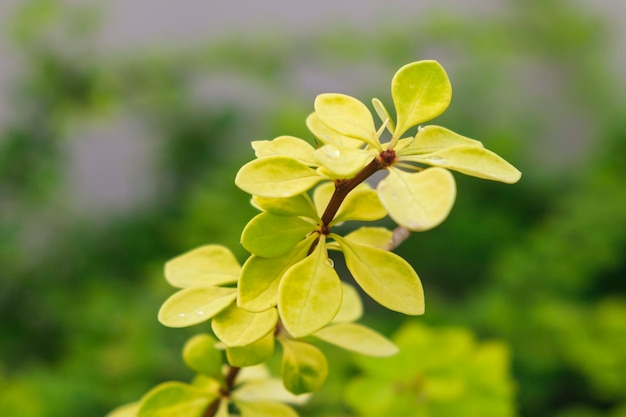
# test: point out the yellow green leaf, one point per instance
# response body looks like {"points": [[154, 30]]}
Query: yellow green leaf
{"points": [[269, 235], [361, 204], [237, 327], [384, 115], [309, 294], [252, 354], [384, 276], [285, 146], [433, 138], [357, 338], [298, 205], [265, 388], [276, 176], [194, 305], [421, 91], [201, 355], [418, 201], [304, 367], [326, 135], [222, 410], [126, 410], [206, 265], [348, 116], [265, 409], [377, 237], [471, 160], [175, 399], [257, 289], [342, 162], [351, 307]]}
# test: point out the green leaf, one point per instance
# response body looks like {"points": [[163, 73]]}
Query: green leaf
{"points": [[289, 146], [304, 367], [269, 235], [357, 338], [206, 265], [471, 160], [421, 91], [257, 289], [377, 237], [433, 138], [175, 399], [384, 276], [342, 162], [276, 176], [201, 355], [361, 204], [418, 201], [126, 410], [384, 115], [351, 306], [298, 205], [329, 136], [195, 305], [348, 116], [309, 294], [264, 388], [252, 354], [265, 409], [237, 327]]}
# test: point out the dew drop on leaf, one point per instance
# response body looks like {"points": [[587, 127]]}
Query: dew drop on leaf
{"points": [[330, 262], [331, 151]]}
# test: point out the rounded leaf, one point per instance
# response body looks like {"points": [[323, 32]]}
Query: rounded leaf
{"points": [[195, 305], [384, 276], [237, 327], [289, 146], [421, 91], [433, 138], [298, 205], [203, 266], [276, 176], [342, 162], [201, 355], [175, 399], [257, 289], [361, 204], [471, 160], [252, 354], [269, 235], [309, 294], [351, 306], [348, 116], [265, 409], [327, 135], [418, 201], [126, 410], [304, 367], [377, 237], [357, 338]]}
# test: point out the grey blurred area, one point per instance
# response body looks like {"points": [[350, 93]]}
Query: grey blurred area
{"points": [[108, 172]]}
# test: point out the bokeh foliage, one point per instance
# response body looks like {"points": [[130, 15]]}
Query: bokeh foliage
{"points": [[540, 266]]}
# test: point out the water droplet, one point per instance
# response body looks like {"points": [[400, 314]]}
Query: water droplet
{"points": [[181, 315], [436, 159], [200, 313], [331, 151], [330, 262]]}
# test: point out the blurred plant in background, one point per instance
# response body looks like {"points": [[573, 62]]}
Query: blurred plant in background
{"points": [[542, 270]]}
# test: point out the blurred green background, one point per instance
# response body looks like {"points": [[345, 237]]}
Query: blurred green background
{"points": [[116, 159]]}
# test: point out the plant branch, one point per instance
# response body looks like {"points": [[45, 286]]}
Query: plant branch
{"points": [[342, 189]]}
